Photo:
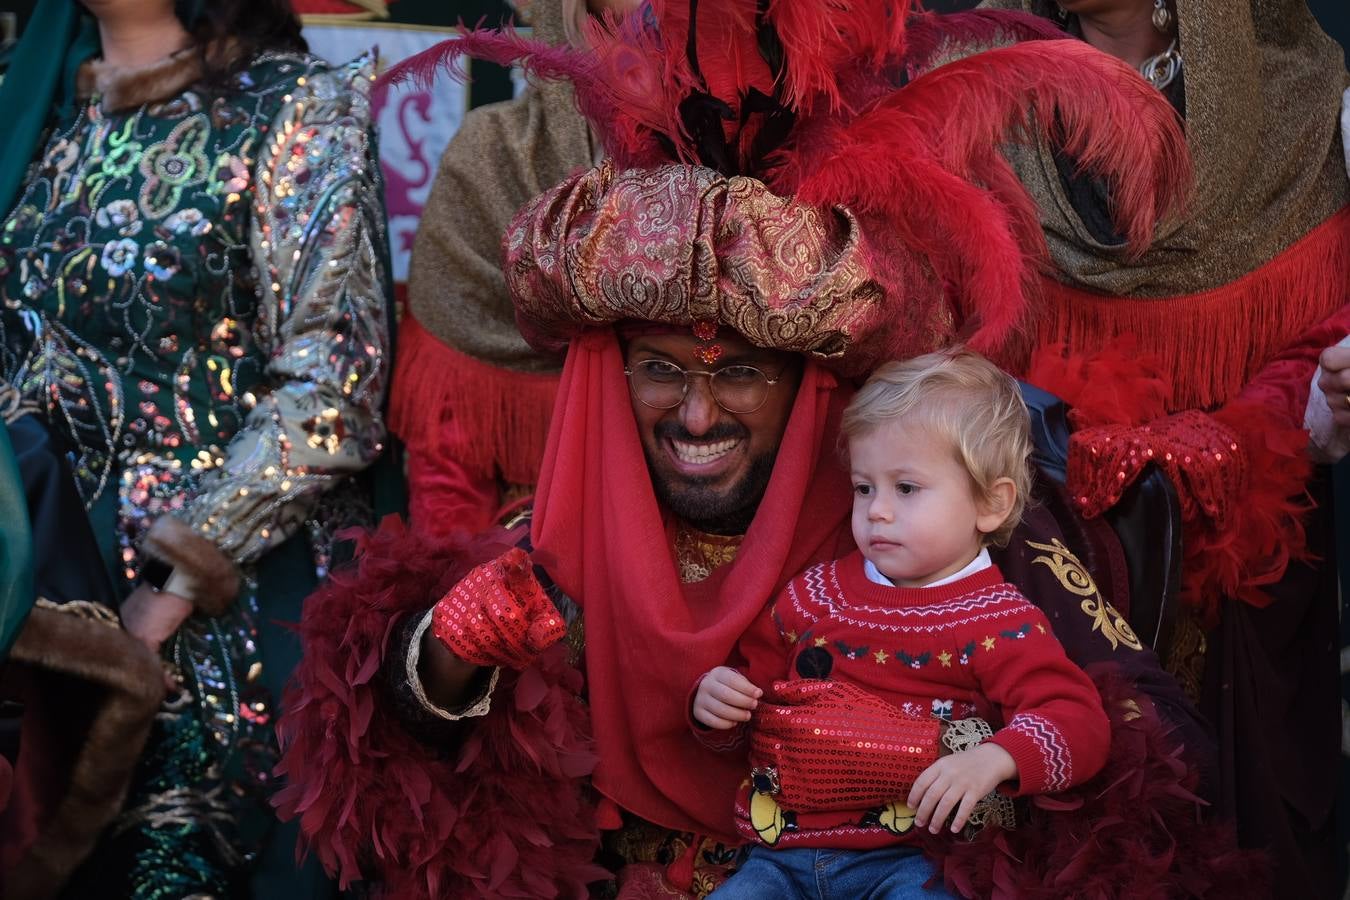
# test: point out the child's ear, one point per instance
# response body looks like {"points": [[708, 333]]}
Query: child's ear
{"points": [[993, 509]]}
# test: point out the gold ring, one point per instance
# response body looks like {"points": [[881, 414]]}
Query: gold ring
{"points": [[1347, 399]]}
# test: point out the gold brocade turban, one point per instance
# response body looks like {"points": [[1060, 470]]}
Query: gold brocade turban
{"points": [[679, 244]]}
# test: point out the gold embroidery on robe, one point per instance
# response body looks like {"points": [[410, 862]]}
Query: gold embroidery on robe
{"points": [[697, 554], [1074, 577]]}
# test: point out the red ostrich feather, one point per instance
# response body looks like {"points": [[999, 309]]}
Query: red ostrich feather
{"points": [[922, 157]]}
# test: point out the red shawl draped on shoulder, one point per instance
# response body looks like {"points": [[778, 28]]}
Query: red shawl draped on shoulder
{"points": [[603, 538]]}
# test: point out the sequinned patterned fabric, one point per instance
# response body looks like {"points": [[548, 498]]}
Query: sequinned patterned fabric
{"points": [[194, 292], [194, 296], [1200, 455], [498, 614], [682, 244], [197, 811]]}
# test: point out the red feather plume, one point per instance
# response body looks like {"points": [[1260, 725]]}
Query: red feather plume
{"points": [[921, 157], [807, 96], [821, 39]]}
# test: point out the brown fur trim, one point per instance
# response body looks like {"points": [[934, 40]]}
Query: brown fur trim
{"points": [[201, 573], [60, 641], [123, 87]]}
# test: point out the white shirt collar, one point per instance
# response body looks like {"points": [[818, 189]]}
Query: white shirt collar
{"points": [[978, 564]]}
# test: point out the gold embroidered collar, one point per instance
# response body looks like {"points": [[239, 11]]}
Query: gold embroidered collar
{"points": [[697, 553]]}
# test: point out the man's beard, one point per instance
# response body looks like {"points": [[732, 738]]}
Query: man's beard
{"points": [[698, 501]]}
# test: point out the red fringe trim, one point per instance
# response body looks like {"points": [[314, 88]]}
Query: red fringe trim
{"points": [[1134, 830], [1212, 343], [504, 816], [492, 420]]}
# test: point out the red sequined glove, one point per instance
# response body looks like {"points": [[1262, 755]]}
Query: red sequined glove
{"points": [[835, 746], [498, 615], [1200, 455]]}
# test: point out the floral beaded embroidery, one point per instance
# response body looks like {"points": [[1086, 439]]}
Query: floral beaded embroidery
{"points": [[141, 318], [168, 265]]}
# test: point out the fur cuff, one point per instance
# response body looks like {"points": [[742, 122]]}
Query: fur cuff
{"points": [[201, 572], [124, 87], [90, 693]]}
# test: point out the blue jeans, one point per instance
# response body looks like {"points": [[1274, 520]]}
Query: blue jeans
{"points": [[889, 873]]}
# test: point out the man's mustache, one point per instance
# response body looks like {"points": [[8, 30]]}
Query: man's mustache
{"points": [[723, 431]]}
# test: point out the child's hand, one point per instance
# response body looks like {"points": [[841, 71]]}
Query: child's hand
{"points": [[958, 782], [724, 699]]}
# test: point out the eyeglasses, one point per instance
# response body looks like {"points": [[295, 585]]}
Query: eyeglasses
{"points": [[663, 385]]}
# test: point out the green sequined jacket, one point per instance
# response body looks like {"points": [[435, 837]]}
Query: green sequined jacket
{"points": [[200, 283], [193, 297]]}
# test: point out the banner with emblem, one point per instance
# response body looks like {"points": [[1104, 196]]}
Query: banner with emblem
{"points": [[414, 123]]}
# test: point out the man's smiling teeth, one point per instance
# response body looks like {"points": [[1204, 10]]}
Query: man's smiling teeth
{"points": [[702, 453]]}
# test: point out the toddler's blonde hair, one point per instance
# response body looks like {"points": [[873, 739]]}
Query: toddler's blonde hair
{"points": [[963, 399]]}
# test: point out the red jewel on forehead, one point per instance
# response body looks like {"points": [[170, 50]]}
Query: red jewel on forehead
{"points": [[707, 352]]}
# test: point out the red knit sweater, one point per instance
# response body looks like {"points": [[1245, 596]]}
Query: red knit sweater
{"points": [[972, 647]]}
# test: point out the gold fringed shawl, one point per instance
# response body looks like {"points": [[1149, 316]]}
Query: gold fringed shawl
{"points": [[1261, 254], [463, 357]]}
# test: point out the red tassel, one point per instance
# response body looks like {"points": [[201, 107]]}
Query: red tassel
{"points": [[608, 817], [680, 873], [491, 420]]}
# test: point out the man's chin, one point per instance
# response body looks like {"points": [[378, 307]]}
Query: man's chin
{"points": [[695, 499], [721, 504], [714, 510], [701, 507]]}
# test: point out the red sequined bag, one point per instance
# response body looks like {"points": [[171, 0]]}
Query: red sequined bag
{"points": [[835, 746]]}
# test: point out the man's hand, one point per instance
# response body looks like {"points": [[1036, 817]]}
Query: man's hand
{"points": [[724, 699], [957, 783], [1334, 380], [498, 615]]}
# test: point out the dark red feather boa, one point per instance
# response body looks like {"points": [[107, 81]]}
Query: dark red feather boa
{"points": [[505, 814], [508, 813], [1135, 830]]}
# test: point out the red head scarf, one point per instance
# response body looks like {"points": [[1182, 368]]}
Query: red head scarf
{"points": [[608, 545]]}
